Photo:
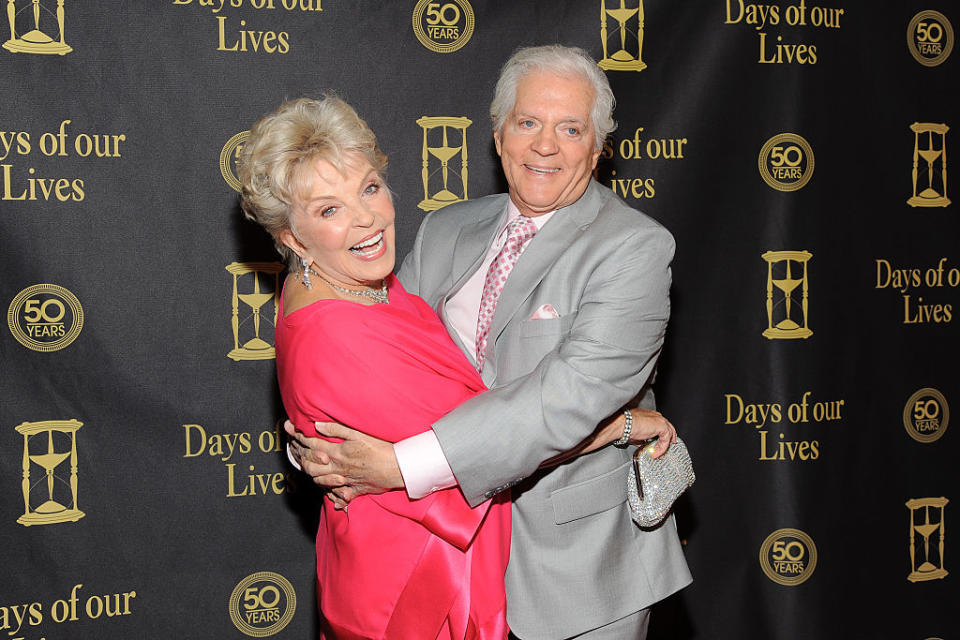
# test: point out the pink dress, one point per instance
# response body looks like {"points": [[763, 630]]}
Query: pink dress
{"points": [[391, 567]]}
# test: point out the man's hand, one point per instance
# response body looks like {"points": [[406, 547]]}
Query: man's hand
{"points": [[359, 465]]}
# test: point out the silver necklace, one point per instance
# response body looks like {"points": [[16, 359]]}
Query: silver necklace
{"points": [[379, 296]]}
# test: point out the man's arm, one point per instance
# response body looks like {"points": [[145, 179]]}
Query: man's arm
{"points": [[608, 355], [375, 466]]}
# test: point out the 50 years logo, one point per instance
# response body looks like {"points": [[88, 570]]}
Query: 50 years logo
{"points": [[229, 156], [926, 415], [786, 162], [262, 604], [443, 27], [930, 38], [45, 317], [788, 557]]}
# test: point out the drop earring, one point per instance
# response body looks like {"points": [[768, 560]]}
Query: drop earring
{"points": [[305, 274]]}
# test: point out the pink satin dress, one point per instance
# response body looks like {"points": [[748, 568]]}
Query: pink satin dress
{"points": [[391, 567]]}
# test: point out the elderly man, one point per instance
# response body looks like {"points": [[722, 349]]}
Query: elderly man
{"points": [[559, 293]]}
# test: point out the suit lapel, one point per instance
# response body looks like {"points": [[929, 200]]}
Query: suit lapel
{"points": [[471, 246], [472, 243], [551, 241]]}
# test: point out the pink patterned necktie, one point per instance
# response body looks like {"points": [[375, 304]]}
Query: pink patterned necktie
{"points": [[519, 233]]}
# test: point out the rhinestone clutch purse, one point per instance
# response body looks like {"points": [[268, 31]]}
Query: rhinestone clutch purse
{"points": [[653, 485]]}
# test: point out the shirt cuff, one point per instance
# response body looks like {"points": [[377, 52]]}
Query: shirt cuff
{"points": [[293, 461], [423, 465]]}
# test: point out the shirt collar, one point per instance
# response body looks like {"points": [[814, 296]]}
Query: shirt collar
{"points": [[513, 212]]}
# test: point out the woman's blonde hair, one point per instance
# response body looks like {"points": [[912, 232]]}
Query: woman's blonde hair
{"points": [[274, 167]]}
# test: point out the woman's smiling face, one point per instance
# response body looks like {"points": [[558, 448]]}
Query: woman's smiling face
{"points": [[344, 225]]}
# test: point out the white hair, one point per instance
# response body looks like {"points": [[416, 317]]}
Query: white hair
{"points": [[562, 61]]}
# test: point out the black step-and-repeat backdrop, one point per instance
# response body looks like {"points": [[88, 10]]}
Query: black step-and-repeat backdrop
{"points": [[797, 149]]}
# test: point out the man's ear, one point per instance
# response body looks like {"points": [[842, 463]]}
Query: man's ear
{"points": [[497, 141], [596, 157]]}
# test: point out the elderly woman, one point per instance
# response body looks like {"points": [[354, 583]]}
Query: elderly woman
{"points": [[354, 347]]}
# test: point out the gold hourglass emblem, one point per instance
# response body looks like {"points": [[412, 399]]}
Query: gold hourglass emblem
{"points": [[927, 533], [254, 347], [793, 321], [35, 40], [58, 495], [623, 58], [935, 193], [444, 152]]}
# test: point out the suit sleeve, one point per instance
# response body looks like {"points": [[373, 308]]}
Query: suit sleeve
{"points": [[608, 355]]}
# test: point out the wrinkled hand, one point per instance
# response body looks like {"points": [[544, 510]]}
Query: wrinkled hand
{"points": [[649, 424], [359, 465]]}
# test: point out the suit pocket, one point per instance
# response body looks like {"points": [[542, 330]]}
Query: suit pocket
{"points": [[590, 496], [546, 327]]}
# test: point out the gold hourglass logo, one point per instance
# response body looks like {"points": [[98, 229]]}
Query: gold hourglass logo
{"points": [[58, 495], [444, 146], [35, 40], [253, 346], [935, 193], [926, 538], [793, 319], [627, 51]]}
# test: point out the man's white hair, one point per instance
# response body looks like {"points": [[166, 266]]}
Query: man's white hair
{"points": [[562, 61]]}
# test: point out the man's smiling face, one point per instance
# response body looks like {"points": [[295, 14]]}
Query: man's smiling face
{"points": [[546, 144]]}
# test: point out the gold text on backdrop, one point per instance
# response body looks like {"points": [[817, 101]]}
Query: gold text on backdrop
{"points": [[760, 415], [70, 609], [909, 281], [237, 36], [762, 17], [242, 479]]}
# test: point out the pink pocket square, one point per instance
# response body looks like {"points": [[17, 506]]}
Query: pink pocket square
{"points": [[545, 312]]}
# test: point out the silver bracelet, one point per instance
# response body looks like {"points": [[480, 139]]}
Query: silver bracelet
{"points": [[625, 438]]}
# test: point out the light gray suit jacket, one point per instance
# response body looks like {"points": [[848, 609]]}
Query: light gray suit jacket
{"points": [[577, 559]]}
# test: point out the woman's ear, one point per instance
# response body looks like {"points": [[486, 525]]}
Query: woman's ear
{"points": [[290, 241]]}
